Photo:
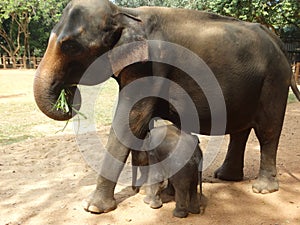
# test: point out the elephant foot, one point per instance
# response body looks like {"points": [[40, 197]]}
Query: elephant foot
{"points": [[154, 202], [194, 208], [180, 213], [136, 189], [97, 204], [265, 185], [229, 174]]}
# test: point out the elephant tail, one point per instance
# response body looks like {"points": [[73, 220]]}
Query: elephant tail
{"points": [[295, 88], [280, 44]]}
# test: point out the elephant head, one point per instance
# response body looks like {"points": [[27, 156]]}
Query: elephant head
{"points": [[86, 30]]}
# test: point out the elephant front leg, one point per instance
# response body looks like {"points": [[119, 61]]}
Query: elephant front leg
{"points": [[102, 199], [139, 161], [153, 195], [123, 137], [154, 184]]}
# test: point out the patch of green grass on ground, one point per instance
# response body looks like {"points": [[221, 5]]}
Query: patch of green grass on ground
{"points": [[21, 119], [18, 120], [106, 103], [292, 98]]}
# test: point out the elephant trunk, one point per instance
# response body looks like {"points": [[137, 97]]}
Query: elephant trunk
{"points": [[50, 80], [46, 94]]}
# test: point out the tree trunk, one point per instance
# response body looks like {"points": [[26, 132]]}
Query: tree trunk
{"points": [[14, 61]]}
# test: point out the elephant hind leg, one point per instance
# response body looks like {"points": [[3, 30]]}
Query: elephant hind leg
{"points": [[194, 203], [268, 133], [182, 199], [232, 168], [268, 126], [267, 179]]}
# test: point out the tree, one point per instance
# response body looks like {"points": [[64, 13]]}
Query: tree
{"points": [[275, 14], [18, 14], [15, 19], [10, 38], [47, 15], [279, 15]]}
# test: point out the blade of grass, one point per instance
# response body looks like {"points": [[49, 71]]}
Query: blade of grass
{"points": [[62, 104]]}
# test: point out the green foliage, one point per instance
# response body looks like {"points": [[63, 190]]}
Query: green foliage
{"points": [[275, 14], [25, 25], [166, 3], [19, 13], [279, 15], [46, 17], [20, 20]]}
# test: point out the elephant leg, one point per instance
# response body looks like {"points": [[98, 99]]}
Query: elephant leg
{"points": [[182, 198], [143, 179], [194, 205], [232, 168], [139, 161], [134, 163], [153, 195], [268, 135], [134, 184], [119, 144], [267, 181], [154, 184], [170, 189], [268, 126], [102, 199]]}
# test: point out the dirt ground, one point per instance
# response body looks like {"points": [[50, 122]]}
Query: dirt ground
{"points": [[43, 180]]}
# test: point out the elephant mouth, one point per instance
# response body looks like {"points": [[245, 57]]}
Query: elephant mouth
{"points": [[68, 102]]}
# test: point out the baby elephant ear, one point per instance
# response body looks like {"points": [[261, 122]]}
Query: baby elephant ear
{"points": [[127, 54], [132, 46]]}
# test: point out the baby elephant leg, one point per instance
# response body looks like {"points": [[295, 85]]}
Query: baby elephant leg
{"points": [[182, 198], [194, 204], [153, 195], [186, 195], [170, 189]]}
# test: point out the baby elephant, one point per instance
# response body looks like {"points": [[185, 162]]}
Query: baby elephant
{"points": [[169, 153]]}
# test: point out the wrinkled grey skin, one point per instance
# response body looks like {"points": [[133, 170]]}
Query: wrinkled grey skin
{"points": [[184, 181], [247, 60]]}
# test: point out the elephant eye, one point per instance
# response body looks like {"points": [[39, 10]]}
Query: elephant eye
{"points": [[71, 47]]}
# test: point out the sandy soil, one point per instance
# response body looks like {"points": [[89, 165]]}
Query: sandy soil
{"points": [[44, 180]]}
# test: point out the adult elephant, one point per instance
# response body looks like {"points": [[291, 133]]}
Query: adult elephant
{"points": [[247, 60]]}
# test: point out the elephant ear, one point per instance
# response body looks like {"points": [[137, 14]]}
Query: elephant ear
{"points": [[132, 46]]}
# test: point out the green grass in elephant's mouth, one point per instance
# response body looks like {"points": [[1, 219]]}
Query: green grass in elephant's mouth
{"points": [[63, 105]]}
